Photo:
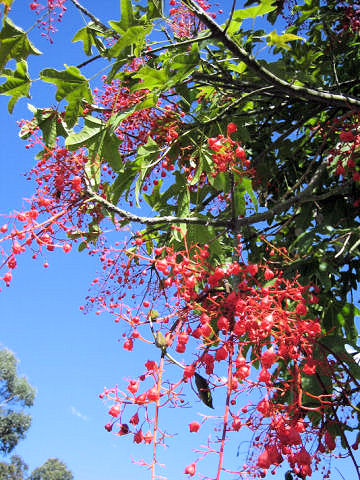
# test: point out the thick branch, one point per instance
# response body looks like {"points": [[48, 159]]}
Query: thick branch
{"points": [[304, 197], [296, 91], [154, 220]]}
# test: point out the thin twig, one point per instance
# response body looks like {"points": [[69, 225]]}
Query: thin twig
{"points": [[88, 61], [86, 12], [230, 17], [178, 44], [344, 245]]}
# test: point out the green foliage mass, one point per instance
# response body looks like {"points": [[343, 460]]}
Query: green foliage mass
{"points": [[52, 469], [15, 395], [15, 470]]}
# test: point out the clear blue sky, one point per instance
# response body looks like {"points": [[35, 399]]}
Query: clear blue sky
{"points": [[69, 357]]}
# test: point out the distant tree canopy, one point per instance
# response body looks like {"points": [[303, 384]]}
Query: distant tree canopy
{"points": [[15, 395], [15, 470], [52, 469]]}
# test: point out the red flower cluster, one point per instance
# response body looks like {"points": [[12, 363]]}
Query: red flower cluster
{"points": [[350, 22], [54, 9], [265, 336], [229, 155], [346, 154], [183, 22], [54, 211]]}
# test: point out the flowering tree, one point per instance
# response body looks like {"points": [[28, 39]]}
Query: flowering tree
{"points": [[214, 169]]}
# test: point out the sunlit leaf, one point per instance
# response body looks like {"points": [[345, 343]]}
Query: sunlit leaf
{"points": [[281, 41], [71, 86], [14, 43], [17, 83]]}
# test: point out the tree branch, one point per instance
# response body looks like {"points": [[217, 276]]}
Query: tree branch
{"points": [[270, 78], [190, 41], [304, 197], [83, 64], [153, 220], [86, 12], [226, 109]]}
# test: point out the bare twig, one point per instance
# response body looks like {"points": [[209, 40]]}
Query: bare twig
{"points": [[230, 16], [191, 41], [86, 12], [83, 64]]}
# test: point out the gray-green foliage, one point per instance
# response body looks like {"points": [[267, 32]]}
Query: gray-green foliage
{"points": [[15, 470], [16, 394], [52, 469]]}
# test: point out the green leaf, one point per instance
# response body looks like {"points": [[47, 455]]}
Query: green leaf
{"points": [[221, 182], [7, 3], [93, 171], [127, 14], [239, 201], [238, 68], [83, 35], [160, 340], [88, 35], [99, 137], [154, 199], [17, 83], [147, 155], [149, 102], [110, 151], [133, 36], [152, 79], [123, 182], [149, 150], [116, 66], [92, 131], [184, 63], [82, 246], [199, 170], [72, 86], [183, 204], [264, 7], [281, 41], [49, 121], [243, 186], [14, 43], [154, 9], [346, 318], [247, 185]]}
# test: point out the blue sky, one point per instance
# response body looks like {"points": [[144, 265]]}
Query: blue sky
{"points": [[70, 357]]}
